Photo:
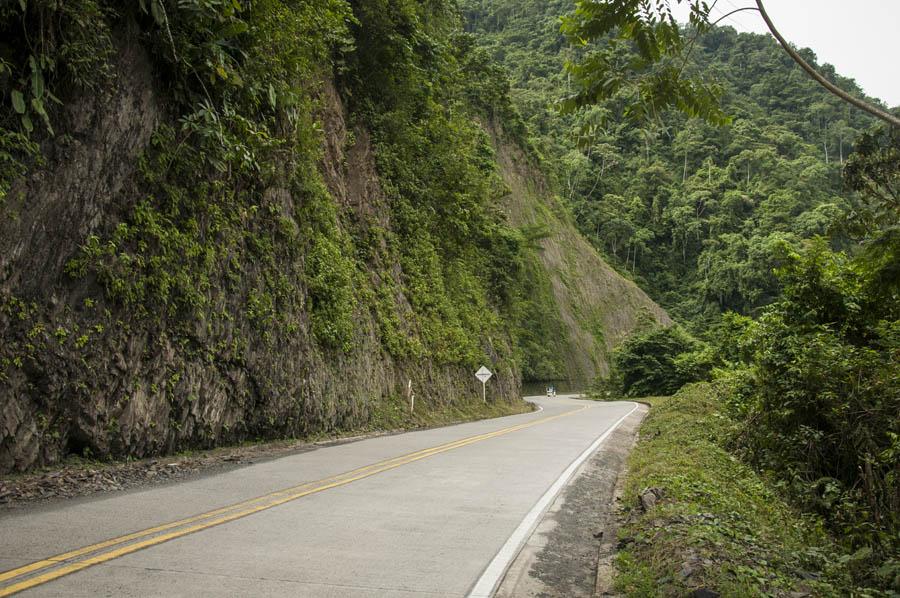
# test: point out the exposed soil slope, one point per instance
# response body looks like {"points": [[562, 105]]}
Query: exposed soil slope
{"points": [[597, 306]]}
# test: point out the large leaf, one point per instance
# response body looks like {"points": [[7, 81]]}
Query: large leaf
{"points": [[18, 101], [38, 106], [37, 79]]}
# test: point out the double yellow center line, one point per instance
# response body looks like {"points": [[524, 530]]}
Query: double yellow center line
{"points": [[54, 567]]}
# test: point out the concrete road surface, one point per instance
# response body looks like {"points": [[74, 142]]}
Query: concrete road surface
{"points": [[432, 513]]}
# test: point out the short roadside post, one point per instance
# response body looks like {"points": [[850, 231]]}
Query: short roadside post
{"points": [[484, 375]]}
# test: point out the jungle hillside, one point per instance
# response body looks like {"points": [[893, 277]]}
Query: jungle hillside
{"points": [[230, 221], [761, 210]]}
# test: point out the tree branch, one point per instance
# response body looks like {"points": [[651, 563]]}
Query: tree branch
{"points": [[873, 110], [725, 16]]}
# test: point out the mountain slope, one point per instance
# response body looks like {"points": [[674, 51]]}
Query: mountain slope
{"points": [[598, 308], [264, 221], [695, 214]]}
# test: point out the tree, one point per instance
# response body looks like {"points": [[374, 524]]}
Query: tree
{"points": [[692, 143], [656, 362], [658, 75], [654, 76]]}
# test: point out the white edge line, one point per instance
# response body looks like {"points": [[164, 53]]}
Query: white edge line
{"points": [[490, 579]]}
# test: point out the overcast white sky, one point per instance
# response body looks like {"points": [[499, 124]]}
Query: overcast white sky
{"points": [[861, 38]]}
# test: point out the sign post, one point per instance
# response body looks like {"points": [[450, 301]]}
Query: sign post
{"points": [[484, 375]]}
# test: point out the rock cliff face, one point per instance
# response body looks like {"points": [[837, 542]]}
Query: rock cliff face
{"points": [[597, 307], [85, 372]]}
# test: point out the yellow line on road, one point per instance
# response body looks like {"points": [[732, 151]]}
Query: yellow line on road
{"points": [[229, 513]]}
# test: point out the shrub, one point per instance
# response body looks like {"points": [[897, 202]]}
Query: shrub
{"points": [[656, 362], [822, 400]]}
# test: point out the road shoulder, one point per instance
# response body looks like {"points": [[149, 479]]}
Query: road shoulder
{"points": [[570, 551]]}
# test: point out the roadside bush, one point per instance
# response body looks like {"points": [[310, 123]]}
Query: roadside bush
{"points": [[822, 402], [711, 521], [656, 362], [819, 387]]}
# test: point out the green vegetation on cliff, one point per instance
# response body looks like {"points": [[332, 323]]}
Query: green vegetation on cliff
{"points": [[223, 220], [226, 245]]}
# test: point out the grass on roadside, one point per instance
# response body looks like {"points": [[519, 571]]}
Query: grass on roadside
{"points": [[715, 525], [394, 414]]}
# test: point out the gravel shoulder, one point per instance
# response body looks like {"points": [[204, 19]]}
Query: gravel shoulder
{"points": [[81, 478], [570, 552]]}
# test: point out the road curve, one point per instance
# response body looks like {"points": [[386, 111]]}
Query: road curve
{"points": [[429, 513]]}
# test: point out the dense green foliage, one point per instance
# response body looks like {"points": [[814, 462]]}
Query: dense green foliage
{"points": [[244, 127], [246, 80], [408, 81], [319, 191], [717, 524], [765, 216], [821, 398], [656, 71], [655, 362], [813, 384], [644, 57], [693, 212], [71, 47], [817, 381]]}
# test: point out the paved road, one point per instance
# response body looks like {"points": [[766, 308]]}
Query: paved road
{"points": [[423, 513]]}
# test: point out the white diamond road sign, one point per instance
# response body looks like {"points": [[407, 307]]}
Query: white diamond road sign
{"points": [[484, 375]]}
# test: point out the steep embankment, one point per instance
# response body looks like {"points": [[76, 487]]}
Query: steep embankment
{"points": [[597, 308], [222, 239], [701, 522]]}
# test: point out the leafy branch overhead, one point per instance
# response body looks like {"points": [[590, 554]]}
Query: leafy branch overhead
{"points": [[651, 78], [654, 77]]}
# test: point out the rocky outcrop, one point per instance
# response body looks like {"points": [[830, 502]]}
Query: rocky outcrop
{"points": [[597, 306], [85, 375]]}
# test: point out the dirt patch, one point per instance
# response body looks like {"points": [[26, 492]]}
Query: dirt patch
{"points": [[82, 478], [570, 553]]}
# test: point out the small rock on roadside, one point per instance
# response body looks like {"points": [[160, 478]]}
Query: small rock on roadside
{"points": [[650, 497]]}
